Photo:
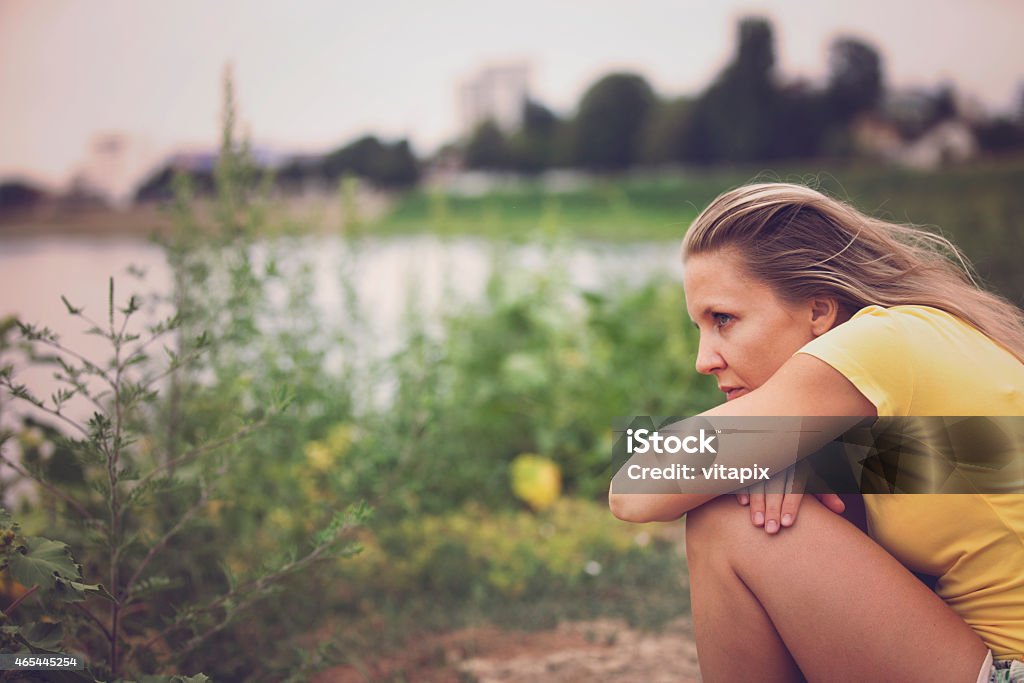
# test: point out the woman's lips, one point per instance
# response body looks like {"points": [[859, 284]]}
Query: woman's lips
{"points": [[730, 394]]}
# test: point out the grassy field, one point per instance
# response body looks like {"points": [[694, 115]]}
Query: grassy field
{"points": [[979, 206], [661, 206]]}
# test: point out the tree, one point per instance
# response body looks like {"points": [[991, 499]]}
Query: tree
{"points": [[855, 79], [398, 166], [1000, 135], [158, 186], [755, 53], [533, 148], [665, 137], [735, 119], [16, 195], [800, 121], [538, 119], [382, 164], [612, 116], [487, 148]]}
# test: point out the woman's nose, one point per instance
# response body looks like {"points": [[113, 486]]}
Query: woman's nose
{"points": [[708, 359]]}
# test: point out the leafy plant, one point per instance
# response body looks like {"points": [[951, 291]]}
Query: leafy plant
{"points": [[139, 486], [123, 483]]}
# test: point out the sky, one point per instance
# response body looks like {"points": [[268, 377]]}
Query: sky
{"points": [[313, 75]]}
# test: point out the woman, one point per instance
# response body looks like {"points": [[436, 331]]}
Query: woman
{"points": [[807, 307]]}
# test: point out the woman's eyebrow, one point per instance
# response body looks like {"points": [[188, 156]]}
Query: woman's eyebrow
{"points": [[712, 309], [706, 313]]}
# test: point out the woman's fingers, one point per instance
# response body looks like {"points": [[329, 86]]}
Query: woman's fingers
{"points": [[757, 504], [795, 485], [832, 502], [775, 491], [775, 504], [790, 508]]}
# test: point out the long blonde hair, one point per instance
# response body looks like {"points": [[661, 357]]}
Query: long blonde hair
{"points": [[806, 244]]}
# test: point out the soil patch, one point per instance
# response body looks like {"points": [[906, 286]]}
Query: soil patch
{"points": [[604, 650]]}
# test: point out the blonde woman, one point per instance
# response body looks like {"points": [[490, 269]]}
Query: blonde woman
{"points": [[806, 307]]}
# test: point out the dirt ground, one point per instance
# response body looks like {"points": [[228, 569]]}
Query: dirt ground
{"points": [[603, 650]]}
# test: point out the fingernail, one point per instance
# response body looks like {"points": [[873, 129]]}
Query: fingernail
{"points": [[772, 526], [787, 519], [758, 518], [744, 500]]}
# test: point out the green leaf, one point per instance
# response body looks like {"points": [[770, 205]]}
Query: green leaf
{"points": [[42, 563], [43, 635], [154, 584], [110, 303], [74, 591], [134, 304], [71, 309]]}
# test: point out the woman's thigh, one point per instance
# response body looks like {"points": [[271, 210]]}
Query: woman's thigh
{"points": [[844, 607]]}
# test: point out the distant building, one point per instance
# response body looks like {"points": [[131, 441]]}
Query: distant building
{"points": [[919, 130], [497, 93], [876, 137], [949, 142]]}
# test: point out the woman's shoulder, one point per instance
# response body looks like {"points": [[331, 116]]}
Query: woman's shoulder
{"points": [[909, 313], [920, 331], [907, 358]]}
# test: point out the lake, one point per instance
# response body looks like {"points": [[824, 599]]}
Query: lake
{"points": [[389, 275]]}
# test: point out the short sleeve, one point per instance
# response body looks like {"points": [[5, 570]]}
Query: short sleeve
{"points": [[871, 351]]}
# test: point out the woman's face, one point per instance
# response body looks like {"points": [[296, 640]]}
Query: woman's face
{"points": [[746, 331]]}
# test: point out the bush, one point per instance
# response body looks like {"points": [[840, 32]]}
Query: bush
{"points": [[161, 493]]}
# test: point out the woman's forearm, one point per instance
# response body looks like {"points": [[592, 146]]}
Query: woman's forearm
{"points": [[653, 507]]}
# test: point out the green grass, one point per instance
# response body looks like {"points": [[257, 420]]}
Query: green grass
{"points": [[661, 206], [980, 206]]}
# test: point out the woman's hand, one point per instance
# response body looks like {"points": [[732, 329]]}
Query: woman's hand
{"points": [[775, 503]]}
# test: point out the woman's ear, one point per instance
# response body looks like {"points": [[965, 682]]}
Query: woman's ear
{"points": [[825, 314]]}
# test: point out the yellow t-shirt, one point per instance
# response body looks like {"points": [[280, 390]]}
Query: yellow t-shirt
{"points": [[920, 361]]}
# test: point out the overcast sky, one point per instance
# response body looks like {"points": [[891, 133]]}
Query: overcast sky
{"points": [[312, 75]]}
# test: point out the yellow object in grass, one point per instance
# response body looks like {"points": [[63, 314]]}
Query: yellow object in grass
{"points": [[536, 480]]}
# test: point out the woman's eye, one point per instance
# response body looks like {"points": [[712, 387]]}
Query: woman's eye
{"points": [[722, 319]]}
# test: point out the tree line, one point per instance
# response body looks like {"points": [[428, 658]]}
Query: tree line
{"points": [[746, 114]]}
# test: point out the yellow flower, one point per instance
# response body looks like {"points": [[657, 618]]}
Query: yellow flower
{"points": [[214, 507], [31, 438], [319, 456], [536, 480], [280, 518], [341, 437]]}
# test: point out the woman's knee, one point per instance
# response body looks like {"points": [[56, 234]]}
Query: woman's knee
{"points": [[714, 525], [722, 525]]}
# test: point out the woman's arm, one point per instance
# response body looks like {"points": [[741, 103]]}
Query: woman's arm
{"points": [[803, 387]]}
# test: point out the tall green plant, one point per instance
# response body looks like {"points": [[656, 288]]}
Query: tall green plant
{"points": [[154, 500], [122, 481]]}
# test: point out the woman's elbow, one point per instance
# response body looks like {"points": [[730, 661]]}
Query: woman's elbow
{"points": [[618, 503], [641, 508]]}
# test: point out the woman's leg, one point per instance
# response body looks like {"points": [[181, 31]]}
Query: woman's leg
{"points": [[820, 596]]}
